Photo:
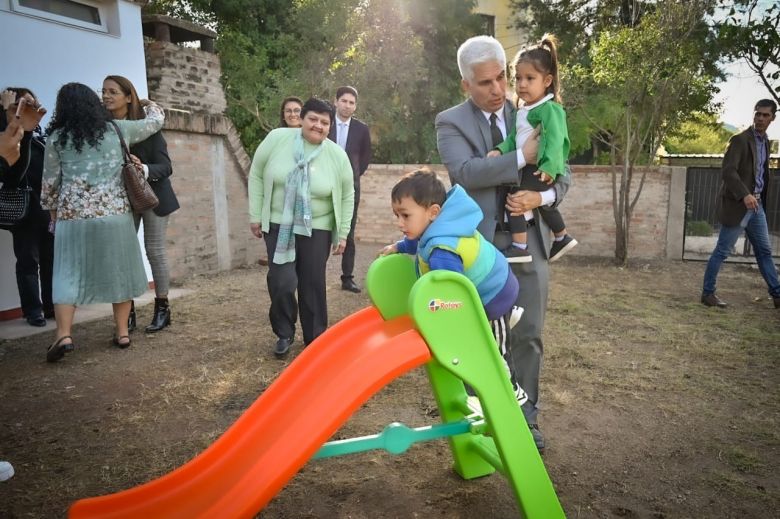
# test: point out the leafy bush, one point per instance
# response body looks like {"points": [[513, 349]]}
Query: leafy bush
{"points": [[698, 228]]}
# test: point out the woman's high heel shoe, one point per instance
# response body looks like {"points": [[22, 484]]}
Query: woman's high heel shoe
{"points": [[162, 315]]}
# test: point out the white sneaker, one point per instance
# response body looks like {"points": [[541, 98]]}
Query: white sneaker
{"points": [[6, 471], [514, 318]]}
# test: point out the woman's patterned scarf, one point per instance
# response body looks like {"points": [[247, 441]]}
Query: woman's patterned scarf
{"points": [[296, 215]]}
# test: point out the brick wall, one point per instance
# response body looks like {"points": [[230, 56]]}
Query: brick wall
{"points": [[376, 222], [209, 232], [587, 210], [184, 78]]}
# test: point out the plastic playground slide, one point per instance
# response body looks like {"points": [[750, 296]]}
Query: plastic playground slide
{"points": [[245, 468]]}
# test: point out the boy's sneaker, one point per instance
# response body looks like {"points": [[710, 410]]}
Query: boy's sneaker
{"points": [[514, 317], [559, 248], [517, 255]]}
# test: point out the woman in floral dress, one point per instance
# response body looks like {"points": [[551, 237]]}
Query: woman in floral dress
{"points": [[97, 258]]}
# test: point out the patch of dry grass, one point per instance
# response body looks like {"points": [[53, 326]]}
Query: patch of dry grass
{"points": [[653, 405]]}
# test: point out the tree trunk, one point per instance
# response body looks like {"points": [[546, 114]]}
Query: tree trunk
{"points": [[623, 208]]}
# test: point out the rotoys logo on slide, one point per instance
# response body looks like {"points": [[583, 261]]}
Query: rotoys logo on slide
{"points": [[437, 304]]}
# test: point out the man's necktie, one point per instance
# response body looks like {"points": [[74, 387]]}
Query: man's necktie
{"points": [[501, 191], [495, 133], [342, 135]]}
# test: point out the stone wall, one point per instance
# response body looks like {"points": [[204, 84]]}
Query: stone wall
{"points": [[656, 228], [184, 78]]}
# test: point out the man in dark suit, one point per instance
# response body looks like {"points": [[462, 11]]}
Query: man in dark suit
{"points": [[742, 203], [354, 138], [465, 134]]}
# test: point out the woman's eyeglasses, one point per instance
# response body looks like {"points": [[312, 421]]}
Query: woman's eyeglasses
{"points": [[294, 111]]}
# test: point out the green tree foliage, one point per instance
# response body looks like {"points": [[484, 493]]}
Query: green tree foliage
{"points": [[704, 134], [411, 73], [399, 54], [750, 32], [256, 41]]}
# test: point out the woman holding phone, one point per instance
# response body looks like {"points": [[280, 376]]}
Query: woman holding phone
{"points": [[121, 99], [32, 242]]}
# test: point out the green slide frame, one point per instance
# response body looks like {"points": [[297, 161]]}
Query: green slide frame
{"points": [[449, 315]]}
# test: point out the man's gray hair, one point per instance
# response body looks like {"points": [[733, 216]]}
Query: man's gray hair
{"points": [[476, 50]]}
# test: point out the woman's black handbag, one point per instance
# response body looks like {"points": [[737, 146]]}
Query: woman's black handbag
{"points": [[14, 205]]}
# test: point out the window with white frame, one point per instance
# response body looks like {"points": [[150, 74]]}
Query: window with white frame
{"points": [[81, 13]]}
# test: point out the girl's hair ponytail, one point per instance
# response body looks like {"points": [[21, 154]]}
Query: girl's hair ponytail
{"points": [[544, 58], [550, 43]]}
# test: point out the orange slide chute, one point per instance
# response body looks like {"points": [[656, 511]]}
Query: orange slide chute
{"points": [[246, 467]]}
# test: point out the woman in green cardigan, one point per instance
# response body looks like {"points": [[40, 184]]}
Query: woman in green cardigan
{"points": [[301, 197]]}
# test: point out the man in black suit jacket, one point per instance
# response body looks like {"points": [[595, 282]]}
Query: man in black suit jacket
{"points": [[354, 138], [742, 203]]}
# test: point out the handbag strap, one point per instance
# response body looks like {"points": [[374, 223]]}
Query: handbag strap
{"points": [[125, 149]]}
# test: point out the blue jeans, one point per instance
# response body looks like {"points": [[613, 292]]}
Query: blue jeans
{"points": [[754, 224]]}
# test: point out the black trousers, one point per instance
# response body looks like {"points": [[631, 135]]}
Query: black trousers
{"points": [[34, 251], [306, 275], [348, 258], [550, 215]]}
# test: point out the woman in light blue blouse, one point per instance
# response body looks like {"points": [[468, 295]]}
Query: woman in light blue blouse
{"points": [[97, 258]]}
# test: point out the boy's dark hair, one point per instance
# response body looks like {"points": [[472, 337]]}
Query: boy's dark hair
{"points": [[766, 103], [422, 186], [346, 90], [318, 106]]}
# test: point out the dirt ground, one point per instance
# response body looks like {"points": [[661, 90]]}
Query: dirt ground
{"points": [[653, 405]]}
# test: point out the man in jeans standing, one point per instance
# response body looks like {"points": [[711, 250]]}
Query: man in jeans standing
{"points": [[745, 174]]}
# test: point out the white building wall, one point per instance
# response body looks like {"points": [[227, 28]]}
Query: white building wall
{"points": [[42, 55]]}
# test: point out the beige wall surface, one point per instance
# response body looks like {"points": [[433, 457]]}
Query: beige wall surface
{"points": [[511, 38]]}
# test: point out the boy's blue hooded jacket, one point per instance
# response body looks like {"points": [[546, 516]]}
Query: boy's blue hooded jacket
{"points": [[452, 236]]}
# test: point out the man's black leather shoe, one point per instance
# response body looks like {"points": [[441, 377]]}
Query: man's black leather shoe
{"points": [[776, 301], [350, 286], [538, 438], [713, 300], [282, 347], [37, 320]]}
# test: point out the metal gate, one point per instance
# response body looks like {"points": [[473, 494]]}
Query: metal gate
{"points": [[701, 219]]}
